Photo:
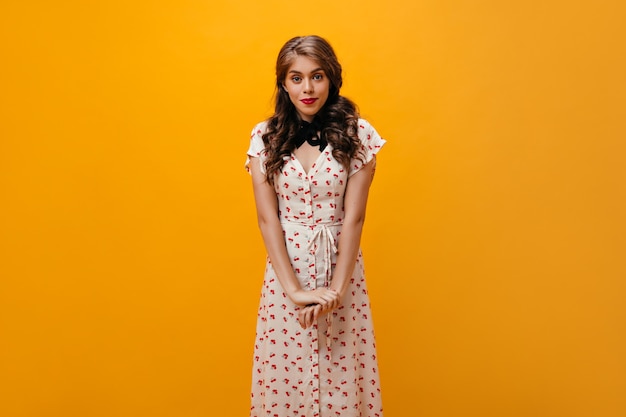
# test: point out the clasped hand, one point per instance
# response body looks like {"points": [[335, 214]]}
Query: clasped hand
{"points": [[315, 303]]}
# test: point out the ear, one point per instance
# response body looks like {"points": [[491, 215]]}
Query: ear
{"points": [[285, 88]]}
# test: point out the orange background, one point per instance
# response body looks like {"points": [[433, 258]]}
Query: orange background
{"points": [[130, 259]]}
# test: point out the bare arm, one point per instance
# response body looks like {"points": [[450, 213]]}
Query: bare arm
{"points": [[273, 237], [355, 202]]}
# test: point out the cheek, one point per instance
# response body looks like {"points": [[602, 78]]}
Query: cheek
{"points": [[327, 90], [326, 93], [291, 93]]}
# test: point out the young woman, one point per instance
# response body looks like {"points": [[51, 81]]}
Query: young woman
{"points": [[312, 164]]}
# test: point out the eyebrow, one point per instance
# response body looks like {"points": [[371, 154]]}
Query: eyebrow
{"points": [[298, 72]]}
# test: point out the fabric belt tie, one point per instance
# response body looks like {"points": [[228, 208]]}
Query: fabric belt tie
{"points": [[325, 238]]}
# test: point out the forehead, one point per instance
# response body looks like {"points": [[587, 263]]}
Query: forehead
{"points": [[304, 65]]}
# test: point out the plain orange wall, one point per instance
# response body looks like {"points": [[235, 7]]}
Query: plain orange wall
{"points": [[130, 259]]}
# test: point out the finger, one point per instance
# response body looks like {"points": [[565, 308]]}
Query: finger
{"points": [[333, 299], [300, 318], [316, 312], [323, 298], [330, 304], [328, 298], [323, 301], [310, 317], [305, 319]]}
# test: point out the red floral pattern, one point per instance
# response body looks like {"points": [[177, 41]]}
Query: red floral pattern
{"points": [[330, 369]]}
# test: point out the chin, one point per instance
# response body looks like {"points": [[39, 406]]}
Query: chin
{"points": [[307, 115]]}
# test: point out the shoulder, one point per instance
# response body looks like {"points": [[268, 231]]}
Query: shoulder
{"points": [[257, 146], [259, 129], [256, 137], [364, 124], [371, 142], [369, 135]]}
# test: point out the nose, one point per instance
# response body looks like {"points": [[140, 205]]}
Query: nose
{"points": [[307, 86]]}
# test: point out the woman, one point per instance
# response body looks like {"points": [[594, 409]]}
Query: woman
{"points": [[312, 164]]}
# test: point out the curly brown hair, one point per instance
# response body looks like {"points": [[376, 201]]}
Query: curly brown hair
{"points": [[338, 117]]}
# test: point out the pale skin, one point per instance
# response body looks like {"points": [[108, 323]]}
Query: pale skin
{"points": [[355, 202], [321, 300], [305, 80]]}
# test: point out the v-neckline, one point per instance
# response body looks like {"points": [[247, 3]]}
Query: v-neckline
{"points": [[314, 166]]}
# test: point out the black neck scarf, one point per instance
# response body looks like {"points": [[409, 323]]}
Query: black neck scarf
{"points": [[308, 133]]}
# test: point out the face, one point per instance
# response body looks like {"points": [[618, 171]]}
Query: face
{"points": [[307, 85]]}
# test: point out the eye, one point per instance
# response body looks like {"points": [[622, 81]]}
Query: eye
{"points": [[295, 79], [318, 77]]}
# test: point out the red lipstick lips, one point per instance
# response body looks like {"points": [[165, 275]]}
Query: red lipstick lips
{"points": [[308, 100]]}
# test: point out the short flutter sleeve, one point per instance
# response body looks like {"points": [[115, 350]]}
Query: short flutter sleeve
{"points": [[257, 147], [371, 142]]}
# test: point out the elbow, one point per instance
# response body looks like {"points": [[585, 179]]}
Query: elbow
{"points": [[264, 221], [355, 222], [261, 222]]}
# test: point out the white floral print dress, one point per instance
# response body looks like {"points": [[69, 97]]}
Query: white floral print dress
{"points": [[329, 369]]}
